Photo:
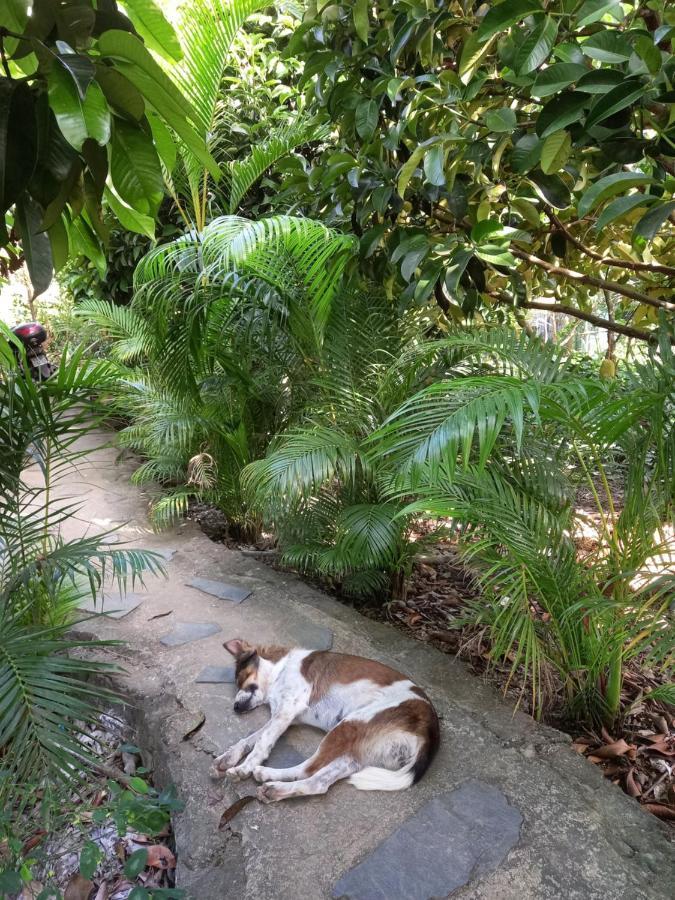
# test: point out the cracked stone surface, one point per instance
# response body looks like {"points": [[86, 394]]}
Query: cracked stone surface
{"points": [[220, 589], [216, 675], [581, 838], [460, 835], [187, 632], [114, 606]]}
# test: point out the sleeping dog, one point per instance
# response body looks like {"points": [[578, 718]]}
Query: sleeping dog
{"points": [[382, 731]]}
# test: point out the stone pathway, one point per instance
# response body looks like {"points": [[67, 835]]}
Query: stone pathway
{"points": [[507, 810]]}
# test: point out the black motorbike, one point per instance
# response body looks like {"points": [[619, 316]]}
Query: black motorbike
{"points": [[33, 336]]}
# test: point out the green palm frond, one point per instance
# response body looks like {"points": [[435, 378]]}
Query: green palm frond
{"points": [[299, 463], [300, 258], [133, 337], [244, 173], [46, 703], [207, 28], [369, 535]]}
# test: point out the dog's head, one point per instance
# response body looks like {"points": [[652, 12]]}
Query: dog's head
{"points": [[252, 680]]}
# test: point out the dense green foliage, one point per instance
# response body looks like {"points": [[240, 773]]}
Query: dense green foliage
{"points": [[321, 384], [85, 111], [499, 156]]}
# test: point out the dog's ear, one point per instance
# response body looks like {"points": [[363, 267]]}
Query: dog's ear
{"points": [[238, 648]]}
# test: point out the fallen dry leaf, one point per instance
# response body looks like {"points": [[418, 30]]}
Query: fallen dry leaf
{"points": [[79, 888], [160, 857], [660, 810], [30, 891], [102, 892], [232, 811], [160, 615], [611, 751], [32, 842], [578, 747], [633, 789]]}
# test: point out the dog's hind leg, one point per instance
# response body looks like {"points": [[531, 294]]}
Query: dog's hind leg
{"points": [[339, 768], [333, 745]]}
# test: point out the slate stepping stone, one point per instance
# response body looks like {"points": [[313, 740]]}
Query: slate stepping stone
{"points": [[216, 675], [458, 836], [219, 589], [313, 637], [283, 756], [166, 553], [113, 606], [186, 632]]}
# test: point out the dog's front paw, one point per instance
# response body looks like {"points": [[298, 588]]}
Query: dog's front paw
{"points": [[238, 773], [216, 772], [271, 792]]}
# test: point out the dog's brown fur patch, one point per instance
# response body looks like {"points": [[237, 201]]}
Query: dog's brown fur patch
{"points": [[323, 668], [359, 739], [272, 652]]}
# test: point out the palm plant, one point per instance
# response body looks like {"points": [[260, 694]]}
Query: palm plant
{"points": [[209, 32], [217, 351], [501, 454], [46, 699]]}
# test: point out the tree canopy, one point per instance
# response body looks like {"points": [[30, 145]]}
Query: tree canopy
{"points": [[519, 154]]}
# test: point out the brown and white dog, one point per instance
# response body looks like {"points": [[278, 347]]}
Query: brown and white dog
{"points": [[382, 731]]}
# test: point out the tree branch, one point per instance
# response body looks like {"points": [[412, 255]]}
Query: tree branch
{"points": [[599, 283], [615, 327], [608, 260]]}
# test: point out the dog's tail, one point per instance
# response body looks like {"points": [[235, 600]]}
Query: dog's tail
{"points": [[373, 778]]}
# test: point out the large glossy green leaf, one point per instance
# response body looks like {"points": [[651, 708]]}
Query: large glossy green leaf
{"points": [[620, 207], [80, 68], [536, 47], [526, 153], [18, 140], [614, 101], [607, 46], [555, 152], [593, 10], [501, 120], [120, 92], [608, 187], [556, 77], [60, 245], [14, 15], [559, 112], [34, 242], [78, 119], [552, 189], [434, 165], [408, 168], [360, 13], [653, 220], [158, 34], [139, 67], [599, 81], [135, 169], [367, 113], [502, 16], [130, 218]]}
